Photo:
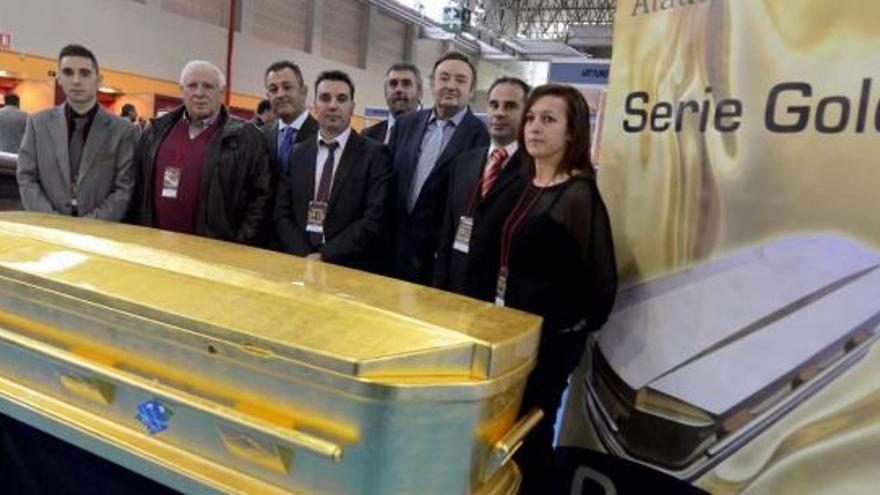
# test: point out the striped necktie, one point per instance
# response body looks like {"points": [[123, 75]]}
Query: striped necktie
{"points": [[493, 170]]}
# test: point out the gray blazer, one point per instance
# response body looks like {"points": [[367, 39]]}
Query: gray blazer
{"points": [[106, 178], [12, 122]]}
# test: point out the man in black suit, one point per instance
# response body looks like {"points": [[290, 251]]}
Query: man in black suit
{"points": [[484, 185], [424, 143], [287, 93], [403, 92], [333, 201]]}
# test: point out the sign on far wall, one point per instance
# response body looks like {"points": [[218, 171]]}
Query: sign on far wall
{"points": [[580, 72]]}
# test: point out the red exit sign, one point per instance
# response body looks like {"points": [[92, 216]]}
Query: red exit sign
{"points": [[5, 41]]}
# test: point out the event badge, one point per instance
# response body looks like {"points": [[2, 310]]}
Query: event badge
{"points": [[501, 286], [170, 182], [463, 234], [315, 217]]}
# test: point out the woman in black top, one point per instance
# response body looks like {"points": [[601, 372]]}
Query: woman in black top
{"points": [[557, 258]]}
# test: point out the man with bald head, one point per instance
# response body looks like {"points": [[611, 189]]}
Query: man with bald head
{"points": [[201, 170]]}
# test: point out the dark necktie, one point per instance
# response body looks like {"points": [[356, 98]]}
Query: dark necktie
{"points": [[493, 170], [325, 184], [75, 149], [284, 151]]}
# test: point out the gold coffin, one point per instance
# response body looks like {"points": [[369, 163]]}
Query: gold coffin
{"points": [[214, 367]]}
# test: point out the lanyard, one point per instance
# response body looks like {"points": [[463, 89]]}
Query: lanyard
{"points": [[475, 196], [332, 175], [523, 207], [178, 152]]}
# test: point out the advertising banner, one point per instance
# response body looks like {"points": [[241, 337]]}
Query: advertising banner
{"points": [[739, 163], [738, 121]]}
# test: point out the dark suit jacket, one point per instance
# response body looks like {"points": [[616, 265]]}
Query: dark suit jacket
{"points": [[417, 237], [474, 274], [357, 211], [308, 131], [377, 132]]}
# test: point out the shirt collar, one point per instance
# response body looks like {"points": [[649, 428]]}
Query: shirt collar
{"points": [[206, 122], [342, 139], [71, 113], [456, 119], [510, 148], [297, 123]]}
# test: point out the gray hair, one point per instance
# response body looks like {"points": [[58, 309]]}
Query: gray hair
{"points": [[202, 64]]}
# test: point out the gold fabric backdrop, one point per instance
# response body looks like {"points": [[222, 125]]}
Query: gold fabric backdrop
{"points": [[676, 198], [680, 197]]}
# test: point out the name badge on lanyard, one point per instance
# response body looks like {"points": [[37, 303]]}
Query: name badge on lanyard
{"points": [[171, 182], [463, 234], [501, 286], [315, 217]]}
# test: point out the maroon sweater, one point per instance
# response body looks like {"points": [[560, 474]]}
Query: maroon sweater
{"points": [[179, 151]]}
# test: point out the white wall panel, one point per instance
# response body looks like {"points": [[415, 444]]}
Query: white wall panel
{"points": [[387, 38], [214, 12], [149, 40], [342, 30], [280, 21]]}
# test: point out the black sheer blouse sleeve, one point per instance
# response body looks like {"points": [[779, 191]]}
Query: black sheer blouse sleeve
{"points": [[581, 209]]}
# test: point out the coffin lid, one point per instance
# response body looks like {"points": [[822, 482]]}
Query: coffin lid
{"points": [[715, 335], [341, 320]]}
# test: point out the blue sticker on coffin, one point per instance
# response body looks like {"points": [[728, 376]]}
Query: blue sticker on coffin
{"points": [[154, 415]]}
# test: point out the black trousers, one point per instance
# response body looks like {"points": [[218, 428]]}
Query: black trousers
{"points": [[557, 358]]}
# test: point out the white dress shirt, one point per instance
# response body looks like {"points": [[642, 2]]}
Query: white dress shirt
{"points": [[342, 139]]}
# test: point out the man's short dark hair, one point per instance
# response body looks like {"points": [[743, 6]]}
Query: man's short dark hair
{"points": [[263, 106], [128, 109], [406, 66], [524, 86], [11, 100], [334, 75], [286, 64], [455, 55], [74, 50]]}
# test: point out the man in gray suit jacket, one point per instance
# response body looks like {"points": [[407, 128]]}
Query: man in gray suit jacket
{"points": [[12, 122], [76, 159]]}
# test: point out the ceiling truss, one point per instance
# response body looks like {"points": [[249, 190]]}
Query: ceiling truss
{"points": [[540, 19]]}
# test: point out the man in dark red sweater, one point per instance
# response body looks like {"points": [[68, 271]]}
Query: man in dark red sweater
{"points": [[202, 171]]}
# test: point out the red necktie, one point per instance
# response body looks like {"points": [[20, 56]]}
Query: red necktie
{"points": [[493, 170]]}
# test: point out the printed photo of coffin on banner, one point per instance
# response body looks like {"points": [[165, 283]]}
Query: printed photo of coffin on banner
{"points": [[738, 163]]}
